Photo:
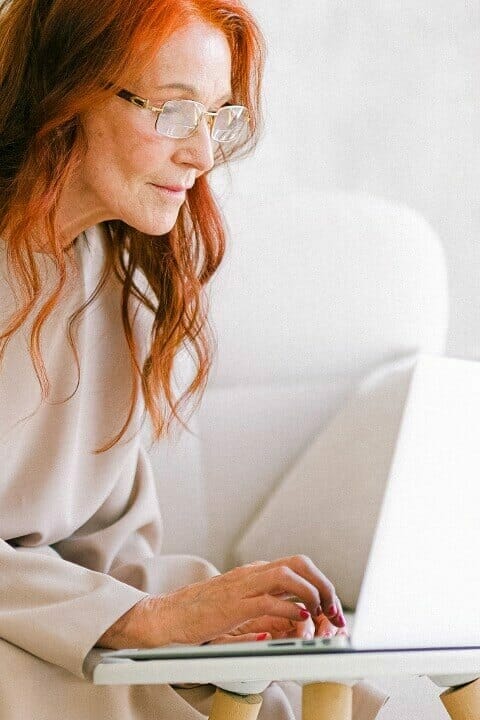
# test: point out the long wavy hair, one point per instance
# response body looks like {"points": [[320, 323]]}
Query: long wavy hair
{"points": [[58, 58]]}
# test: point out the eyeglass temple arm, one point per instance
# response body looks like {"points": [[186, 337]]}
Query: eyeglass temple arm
{"points": [[138, 101]]}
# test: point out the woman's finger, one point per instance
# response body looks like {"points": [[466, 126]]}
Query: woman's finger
{"points": [[303, 566], [277, 626], [276, 580], [323, 627], [340, 613], [246, 637], [265, 604], [305, 630]]}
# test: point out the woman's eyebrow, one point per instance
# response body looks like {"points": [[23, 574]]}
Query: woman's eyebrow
{"points": [[190, 89]]}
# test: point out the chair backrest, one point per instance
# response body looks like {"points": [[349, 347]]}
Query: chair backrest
{"points": [[315, 291]]}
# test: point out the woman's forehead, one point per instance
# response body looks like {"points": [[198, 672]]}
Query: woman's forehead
{"points": [[195, 61]]}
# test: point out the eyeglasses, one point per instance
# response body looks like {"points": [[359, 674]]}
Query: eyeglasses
{"points": [[180, 118]]}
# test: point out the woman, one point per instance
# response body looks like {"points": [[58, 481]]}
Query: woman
{"points": [[112, 114]]}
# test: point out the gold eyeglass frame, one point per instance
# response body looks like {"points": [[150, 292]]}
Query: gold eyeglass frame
{"points": [[145, 104]]}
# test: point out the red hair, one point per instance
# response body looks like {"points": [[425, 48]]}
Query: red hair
{"points": [[58, 58]]}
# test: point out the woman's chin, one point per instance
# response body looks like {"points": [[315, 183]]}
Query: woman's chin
{"points": [[154, 226]]}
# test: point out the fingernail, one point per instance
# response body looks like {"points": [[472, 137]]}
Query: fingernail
{"points": [[332, 610], [304, 614], [327, 635], [308, 636], [262, 636], [342, 621]]}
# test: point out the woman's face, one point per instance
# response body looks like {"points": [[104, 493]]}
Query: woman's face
{"points": [[127, 159]]}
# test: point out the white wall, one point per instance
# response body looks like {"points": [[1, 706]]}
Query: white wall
{"points": [[381, 96]]}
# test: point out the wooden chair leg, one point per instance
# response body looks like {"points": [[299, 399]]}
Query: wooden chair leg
{"points": [[463, 703], [229, 706], [326, 701]]}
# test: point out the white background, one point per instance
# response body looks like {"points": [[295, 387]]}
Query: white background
{"points": [[381, 97]]}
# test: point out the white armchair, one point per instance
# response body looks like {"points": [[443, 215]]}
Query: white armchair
{"points": [[315, 292]]}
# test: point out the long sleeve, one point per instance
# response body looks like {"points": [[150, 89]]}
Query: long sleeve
{"points": [[77, 529], [56, 601], [55, 609]]}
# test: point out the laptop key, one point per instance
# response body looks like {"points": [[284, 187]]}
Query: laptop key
{"points": [[282, 643]]}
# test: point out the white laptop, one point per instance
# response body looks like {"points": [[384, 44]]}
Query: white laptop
{"points": [[421, 587]]}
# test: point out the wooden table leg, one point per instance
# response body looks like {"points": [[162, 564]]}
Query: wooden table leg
{"points": [[326, 701], [229, 706], [463, 703]]}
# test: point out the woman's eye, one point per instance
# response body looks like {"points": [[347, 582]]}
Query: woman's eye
{"points": [[169, 110]]}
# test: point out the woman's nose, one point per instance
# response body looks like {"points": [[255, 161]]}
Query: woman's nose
{"points": [[200, 147]]}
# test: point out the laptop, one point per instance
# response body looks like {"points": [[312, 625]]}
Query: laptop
{"points": [[421, 586]]}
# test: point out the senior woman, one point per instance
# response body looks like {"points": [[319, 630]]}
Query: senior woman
{"points": [[112, 114]]}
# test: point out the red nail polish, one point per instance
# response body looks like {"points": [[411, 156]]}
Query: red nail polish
{"points": [[304, 614], [332, 610], [262, 636]]}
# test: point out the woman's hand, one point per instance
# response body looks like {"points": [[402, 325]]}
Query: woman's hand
{"points": [[203, 611]]}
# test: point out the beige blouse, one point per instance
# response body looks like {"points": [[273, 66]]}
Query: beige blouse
{"points": [[81, 533]]}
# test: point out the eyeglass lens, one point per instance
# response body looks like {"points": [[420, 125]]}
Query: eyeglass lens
{"points": [[180, 118]]}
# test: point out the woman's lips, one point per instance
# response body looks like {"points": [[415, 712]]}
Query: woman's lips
{"points": [[173, 192]]}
